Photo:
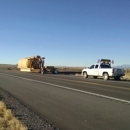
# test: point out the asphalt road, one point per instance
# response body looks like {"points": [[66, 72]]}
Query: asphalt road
{"points": [[70, 102]]}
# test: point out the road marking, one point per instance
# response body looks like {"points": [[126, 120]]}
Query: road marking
{"points": [[72, 89], [114, 81], [104, 85]]}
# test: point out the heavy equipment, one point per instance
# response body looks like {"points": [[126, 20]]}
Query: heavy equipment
{"points": [[35, 64]]}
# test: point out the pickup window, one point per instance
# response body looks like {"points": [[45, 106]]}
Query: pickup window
{"points": [[105, 66], [92, 67], [96, 66]]}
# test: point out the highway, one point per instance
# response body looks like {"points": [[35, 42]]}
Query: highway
{"points": [[70, 102]]}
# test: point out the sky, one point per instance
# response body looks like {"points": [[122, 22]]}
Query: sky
{"points": [[65, 32]]}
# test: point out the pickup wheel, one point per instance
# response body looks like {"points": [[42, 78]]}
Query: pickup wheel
{"points": [[105, 76], [85, 75], [95, 77]]}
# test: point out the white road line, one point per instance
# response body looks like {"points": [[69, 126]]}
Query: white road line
{"points": [[90, 93]]}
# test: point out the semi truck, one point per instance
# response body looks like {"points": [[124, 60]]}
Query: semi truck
{"points": [[35, 64]]}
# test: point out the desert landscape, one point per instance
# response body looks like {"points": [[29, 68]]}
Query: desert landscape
{"points": [[66, 70], [7, 120]]}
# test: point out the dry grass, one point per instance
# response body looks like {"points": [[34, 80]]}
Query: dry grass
{"points": [[69, 69], [6, 66], [8, 121], [127, 75]]}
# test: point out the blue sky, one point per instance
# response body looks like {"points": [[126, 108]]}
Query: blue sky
{"points": [[66, 32]]}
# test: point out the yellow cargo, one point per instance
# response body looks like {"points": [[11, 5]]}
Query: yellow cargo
{"points": [[34, 64], [31, 63], [25, 63]]}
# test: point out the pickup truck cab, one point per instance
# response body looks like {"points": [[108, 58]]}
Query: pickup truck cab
{"points": [[103, 69]]}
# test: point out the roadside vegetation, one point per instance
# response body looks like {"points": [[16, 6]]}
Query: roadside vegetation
{"points": [[127, 75], [8, 121], [8, 66], [66, 69]]}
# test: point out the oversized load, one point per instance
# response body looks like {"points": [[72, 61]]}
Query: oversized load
{"points": [[34, 64], [24, 63]]}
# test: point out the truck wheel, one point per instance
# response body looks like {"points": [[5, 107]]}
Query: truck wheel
{"points": [[105, 76], [55, 72], [85, 75], [117, 78], [95, 77], [43, 71]]}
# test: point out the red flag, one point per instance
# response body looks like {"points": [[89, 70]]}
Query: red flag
{"points": [[112, 61], [98, 61]]}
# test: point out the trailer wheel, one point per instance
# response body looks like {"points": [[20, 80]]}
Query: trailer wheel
{"points": [[55, 71], [105, 76]]}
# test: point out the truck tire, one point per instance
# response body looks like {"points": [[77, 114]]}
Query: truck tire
{"points": [[117, 78], [55, 72], [43, 71], [105, 76], [85, 75]]}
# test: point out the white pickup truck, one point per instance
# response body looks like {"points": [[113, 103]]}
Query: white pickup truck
{"points": [[103, 69]]}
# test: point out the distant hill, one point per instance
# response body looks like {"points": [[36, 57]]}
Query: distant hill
{"points": [[4, 66], [7, 65], [125, 66]]}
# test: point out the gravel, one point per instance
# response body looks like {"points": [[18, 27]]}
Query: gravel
{"points": [[24, 114]]}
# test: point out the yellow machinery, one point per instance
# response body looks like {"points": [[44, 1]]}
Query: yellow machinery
{"points": [[34, 64]]}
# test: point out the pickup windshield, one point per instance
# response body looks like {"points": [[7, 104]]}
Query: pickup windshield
{"points": [[92, 67]]}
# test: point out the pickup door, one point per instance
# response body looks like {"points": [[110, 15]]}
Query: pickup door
{"points": [[90, 71], [96, 70], [93, 70]]}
